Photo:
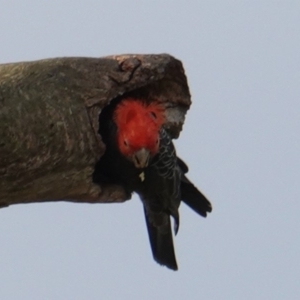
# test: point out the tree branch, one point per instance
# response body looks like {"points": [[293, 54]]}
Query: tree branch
{"points": [[49, 110]]}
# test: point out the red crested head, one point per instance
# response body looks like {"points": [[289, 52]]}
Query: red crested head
{"points": [[138, 126]]}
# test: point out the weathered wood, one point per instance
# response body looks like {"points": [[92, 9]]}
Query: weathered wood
{"points": [[49, 109]]}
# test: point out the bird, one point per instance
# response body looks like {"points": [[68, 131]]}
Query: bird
{"points": [[141, 157]]}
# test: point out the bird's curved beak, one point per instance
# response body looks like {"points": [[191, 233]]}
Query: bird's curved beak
{"points": [[141, 158]]}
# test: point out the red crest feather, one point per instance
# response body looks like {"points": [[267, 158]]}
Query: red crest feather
{"points": [[138, 125]]}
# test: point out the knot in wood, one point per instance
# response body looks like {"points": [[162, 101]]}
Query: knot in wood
{"points": [[129, 64]]}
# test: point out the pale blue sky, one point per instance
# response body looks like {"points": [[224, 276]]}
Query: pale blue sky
{"points": [[241, 141]]}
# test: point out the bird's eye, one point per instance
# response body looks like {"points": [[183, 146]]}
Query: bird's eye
{"points": [[153, 114]]}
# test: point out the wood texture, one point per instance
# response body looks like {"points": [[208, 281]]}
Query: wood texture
{"points": [[49, 110]]}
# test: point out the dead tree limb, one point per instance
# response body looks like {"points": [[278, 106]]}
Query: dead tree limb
{"points": [[49, 110]]}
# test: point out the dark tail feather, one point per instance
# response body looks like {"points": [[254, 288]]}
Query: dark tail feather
{"points": [[161, 242], [191, 196]]}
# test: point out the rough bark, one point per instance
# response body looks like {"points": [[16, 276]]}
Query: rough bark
{"points": [[49, 109]]}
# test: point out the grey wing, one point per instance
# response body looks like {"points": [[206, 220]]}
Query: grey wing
{"points": [[168, 170]]}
